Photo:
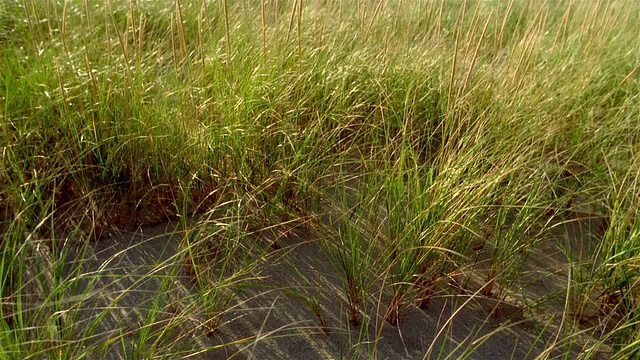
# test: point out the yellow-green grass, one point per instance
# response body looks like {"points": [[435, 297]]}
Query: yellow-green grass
{"points": [[473, 123]]}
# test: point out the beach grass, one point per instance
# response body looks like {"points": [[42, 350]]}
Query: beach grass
{"points": [[442, 129]]}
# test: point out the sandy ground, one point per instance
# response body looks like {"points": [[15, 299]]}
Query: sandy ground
{"points": [[131, 297], [121, 278]]}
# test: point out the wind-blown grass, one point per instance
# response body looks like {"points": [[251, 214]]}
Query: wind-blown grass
{"points": [[480, 127]]}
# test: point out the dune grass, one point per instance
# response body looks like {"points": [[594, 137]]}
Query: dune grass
{"points": [[476, 126]]}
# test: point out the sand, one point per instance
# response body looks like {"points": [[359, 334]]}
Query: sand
{"points": [[267, 317]]}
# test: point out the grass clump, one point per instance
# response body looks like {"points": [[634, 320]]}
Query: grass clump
{"points": [[456, 138]]}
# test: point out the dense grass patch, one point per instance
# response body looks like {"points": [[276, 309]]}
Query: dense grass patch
{"points": [[467, 125]]}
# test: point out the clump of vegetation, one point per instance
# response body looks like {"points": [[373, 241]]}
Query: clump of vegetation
{"points": [[479, 128]]}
